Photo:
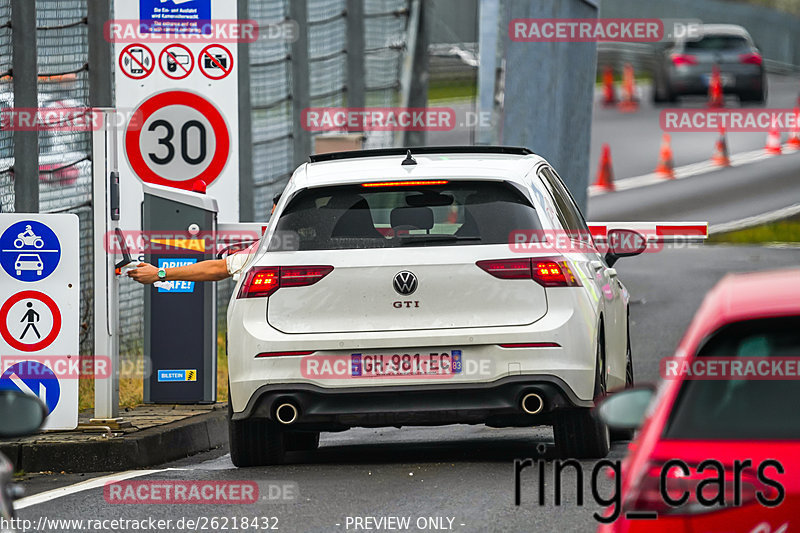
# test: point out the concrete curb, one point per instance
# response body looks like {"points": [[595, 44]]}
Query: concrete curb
{"points": [[149, 447]]}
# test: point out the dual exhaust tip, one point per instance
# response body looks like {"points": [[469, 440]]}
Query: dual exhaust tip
{"points": [[287, 413], [532, 403]]}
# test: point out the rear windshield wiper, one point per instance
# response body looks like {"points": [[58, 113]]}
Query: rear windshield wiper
{"points": [[426, 239]]}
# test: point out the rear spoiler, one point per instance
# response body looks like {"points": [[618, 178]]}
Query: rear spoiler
{"points": [[665, 232]]}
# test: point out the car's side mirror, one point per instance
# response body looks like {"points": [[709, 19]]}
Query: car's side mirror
{"points": [[21, 414], [624, 243], [626, 409]]}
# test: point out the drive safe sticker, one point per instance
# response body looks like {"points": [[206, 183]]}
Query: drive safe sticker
{"points": [[172, 285]]}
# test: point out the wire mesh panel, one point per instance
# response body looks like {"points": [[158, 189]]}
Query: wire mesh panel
{"points": [[6, 100], [65, 184], [385, 27], [270, 95]]}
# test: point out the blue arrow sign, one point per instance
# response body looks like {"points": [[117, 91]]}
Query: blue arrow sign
{"points": [[34, 378]]}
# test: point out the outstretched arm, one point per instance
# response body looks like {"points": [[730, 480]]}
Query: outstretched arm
{"points": [[211, 270]]}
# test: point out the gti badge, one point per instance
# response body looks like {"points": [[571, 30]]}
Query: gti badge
{"points": [[405, 283]]}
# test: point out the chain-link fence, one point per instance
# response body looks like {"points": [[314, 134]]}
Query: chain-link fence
{"points": [[64, 156], [6, 100], [65, 177]]}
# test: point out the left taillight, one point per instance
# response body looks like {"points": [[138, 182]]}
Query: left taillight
{"points": [[546, 271], [260, 282]]}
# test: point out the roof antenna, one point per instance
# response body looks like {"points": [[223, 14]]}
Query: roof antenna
{"points": [[409, 160]]}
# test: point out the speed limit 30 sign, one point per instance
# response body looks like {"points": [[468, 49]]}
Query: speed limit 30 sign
{"points": [[179, 137], [178, 95]]}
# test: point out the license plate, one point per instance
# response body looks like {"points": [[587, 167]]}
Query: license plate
{"points": [[726, 79], [406, 364]]}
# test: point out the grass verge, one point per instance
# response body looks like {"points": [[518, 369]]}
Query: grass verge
{"points": [[784, 231], [131, 387]]}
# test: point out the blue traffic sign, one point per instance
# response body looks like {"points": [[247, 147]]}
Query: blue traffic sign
{"points": [[32, 377], [29, 251]]}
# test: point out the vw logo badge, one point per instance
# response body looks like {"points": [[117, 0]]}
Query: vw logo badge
{"points": [[405, 283]]}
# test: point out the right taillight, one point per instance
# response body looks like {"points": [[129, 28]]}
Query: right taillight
{"points": [[751, 59], [260, 282], [683, 59], [546, 271]]}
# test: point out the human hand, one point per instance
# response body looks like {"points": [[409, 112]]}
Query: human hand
{"points": [[144, 273]]}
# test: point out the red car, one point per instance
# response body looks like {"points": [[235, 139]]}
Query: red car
{"points": [[735, 435]]}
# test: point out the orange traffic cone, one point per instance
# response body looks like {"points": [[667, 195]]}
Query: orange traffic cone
{"points": [[794, 138], [720, 157], [773, 145], [609, 93], [715, 95], [629, 102], [605, 174], [666, 167]]}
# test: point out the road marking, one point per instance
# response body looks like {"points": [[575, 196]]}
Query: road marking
{"points": [[686, 171], [755, 220], [96, 483], [100, 482]]}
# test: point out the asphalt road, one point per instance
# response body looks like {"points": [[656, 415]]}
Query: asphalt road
{"points": [[463, 473], [719, 196], [635, 138]]}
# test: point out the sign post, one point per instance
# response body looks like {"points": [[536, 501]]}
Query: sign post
{"points": [[40, 291], [177, 84]]}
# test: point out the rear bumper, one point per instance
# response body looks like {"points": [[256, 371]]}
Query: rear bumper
{"points": [[694, 81], [495, 404]]}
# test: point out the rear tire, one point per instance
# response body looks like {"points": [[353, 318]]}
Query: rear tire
{"points": [[255, 442], [626, 434], [578, 432]]}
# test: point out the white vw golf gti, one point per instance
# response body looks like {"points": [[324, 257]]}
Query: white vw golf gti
{"points": [[389, 290]]}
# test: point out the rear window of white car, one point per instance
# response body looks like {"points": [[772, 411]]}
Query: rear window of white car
{"points": [[447, 213]]}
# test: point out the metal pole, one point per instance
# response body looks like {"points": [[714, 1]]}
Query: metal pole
{"points": [[355, 54], [246, 202], [24, 74], [301, 99], [100, 62], [106, 285], [414, 75], [487, 67]]}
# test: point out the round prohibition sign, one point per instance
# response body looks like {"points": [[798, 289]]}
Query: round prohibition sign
{"points": [[176, 61], [30, 295], [215, 58], [137, 61], [173, 137]]}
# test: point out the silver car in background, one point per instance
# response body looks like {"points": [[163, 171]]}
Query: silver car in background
{"points": [[684, 67]]}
